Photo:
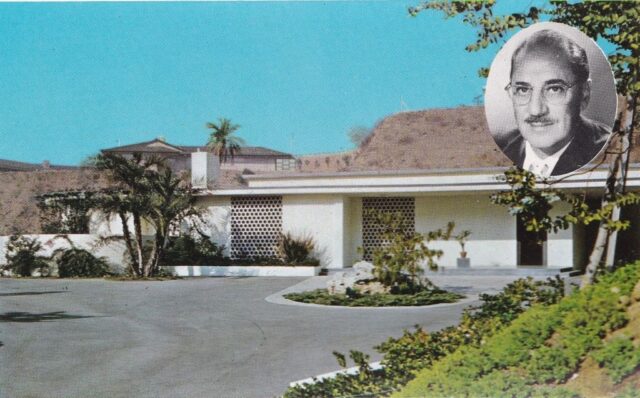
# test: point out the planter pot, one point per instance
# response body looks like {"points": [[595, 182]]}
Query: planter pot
{"points": [[463, 262]]}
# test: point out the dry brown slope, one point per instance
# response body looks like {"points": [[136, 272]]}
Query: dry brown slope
{"points": [[18, 191], [431, 139]]}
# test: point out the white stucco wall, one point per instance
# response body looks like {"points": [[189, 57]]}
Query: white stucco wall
{"points": [[560, 245], [114, 251], [322, 217], [218, 219], [493, 230], [353, 230]]}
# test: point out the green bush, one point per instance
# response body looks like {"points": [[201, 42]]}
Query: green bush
{"points": [[399, 260], [619, 357], [187, 250], [545, 344], [355, 299], [419, 349], [295, 250], [81, 263], [22, 256]]}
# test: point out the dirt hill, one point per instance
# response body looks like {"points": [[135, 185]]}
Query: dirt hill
{"points": [[18, 205], [431, 139]]}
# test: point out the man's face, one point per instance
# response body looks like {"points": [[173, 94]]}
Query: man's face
{"points": [[545, 122]]}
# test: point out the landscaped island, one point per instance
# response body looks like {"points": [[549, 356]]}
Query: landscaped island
{"points": [[356, 299]]}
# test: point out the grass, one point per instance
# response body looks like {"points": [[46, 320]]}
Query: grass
{"points": [[425, 297]]}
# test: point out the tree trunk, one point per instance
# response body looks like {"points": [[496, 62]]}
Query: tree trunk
{"points": [[133, 265], [137, 225], [616, 184]]}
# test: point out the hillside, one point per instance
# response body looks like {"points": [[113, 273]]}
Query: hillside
{"points": [[18, 205], [587, 345], [430, 139]]}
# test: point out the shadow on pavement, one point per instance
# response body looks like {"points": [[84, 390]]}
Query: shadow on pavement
{"points": [[32, 293], [45, 316]]}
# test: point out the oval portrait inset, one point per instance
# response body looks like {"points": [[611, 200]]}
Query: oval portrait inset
{"points": [[550, 99]]}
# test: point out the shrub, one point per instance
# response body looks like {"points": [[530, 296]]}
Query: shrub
{"points": [[295, 250], [619, 357], [22, 256], [400, 260], [187, 250], [76, 262], [416, 350], [355, 299], [546, 344]]}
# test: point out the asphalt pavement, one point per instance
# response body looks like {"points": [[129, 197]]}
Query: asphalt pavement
{"points": [[201, 337]]}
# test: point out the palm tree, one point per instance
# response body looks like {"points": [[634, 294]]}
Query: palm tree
{"points": [[146, 192], [222, 142]]}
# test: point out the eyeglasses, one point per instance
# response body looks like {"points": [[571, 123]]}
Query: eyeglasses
{"points": [[553, 93]]}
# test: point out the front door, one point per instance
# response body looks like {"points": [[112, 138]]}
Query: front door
{"points": [[531, 245]]}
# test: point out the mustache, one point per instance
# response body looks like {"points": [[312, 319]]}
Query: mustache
{"points": [[539, 119]]}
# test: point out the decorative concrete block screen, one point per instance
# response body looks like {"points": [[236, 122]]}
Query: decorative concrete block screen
{"points": [[371, 230], [256, 224]]}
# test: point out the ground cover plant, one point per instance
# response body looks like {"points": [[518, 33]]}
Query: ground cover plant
{"points": [[545, 350], [396, 277], [353, 298], [419, 349]]}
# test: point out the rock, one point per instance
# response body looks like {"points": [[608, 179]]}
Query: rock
{"points": [[340, 281], [371, 287]]}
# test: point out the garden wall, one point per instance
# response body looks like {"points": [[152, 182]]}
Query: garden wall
{"points": [[113, 251]]}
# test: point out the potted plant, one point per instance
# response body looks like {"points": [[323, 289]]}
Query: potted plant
{"points": [[461, 238]]}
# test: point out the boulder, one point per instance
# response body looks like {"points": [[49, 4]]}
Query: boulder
{"points": [[359, 274]]}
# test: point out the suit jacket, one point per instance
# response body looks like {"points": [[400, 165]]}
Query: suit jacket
{"points": [[588, 140]]}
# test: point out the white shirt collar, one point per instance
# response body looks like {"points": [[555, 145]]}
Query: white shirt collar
{"points": [[541, 166]]}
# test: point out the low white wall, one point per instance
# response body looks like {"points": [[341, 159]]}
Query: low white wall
{"points": [[207, 270], [113, 251]]}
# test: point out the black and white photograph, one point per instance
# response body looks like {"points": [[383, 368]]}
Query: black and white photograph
{"points": [[551, 99]]}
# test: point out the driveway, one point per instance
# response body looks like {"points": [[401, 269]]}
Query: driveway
{"points": [[215, 337]]}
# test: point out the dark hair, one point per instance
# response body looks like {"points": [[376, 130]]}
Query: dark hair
{"points": [[556, 43]]}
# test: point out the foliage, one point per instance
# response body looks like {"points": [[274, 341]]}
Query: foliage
{"points": [[613, 22], [148, 195], [358, 135], [619, 357], [76, 262], [189, 250], [544, 345], [294, 250], [401, 257], [461, 238], [419, 349], [65, 212], [356, 299], [22, 256], [533, 204], [222, 141]]}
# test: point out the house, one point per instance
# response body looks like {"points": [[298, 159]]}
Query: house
{"points": [[256, 159], [433, 166]]}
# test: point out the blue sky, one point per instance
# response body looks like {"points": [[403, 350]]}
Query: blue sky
{"points": [[79, 77]]}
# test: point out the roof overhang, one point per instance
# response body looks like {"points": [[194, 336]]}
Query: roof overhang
{"points": [[450, 181]]}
